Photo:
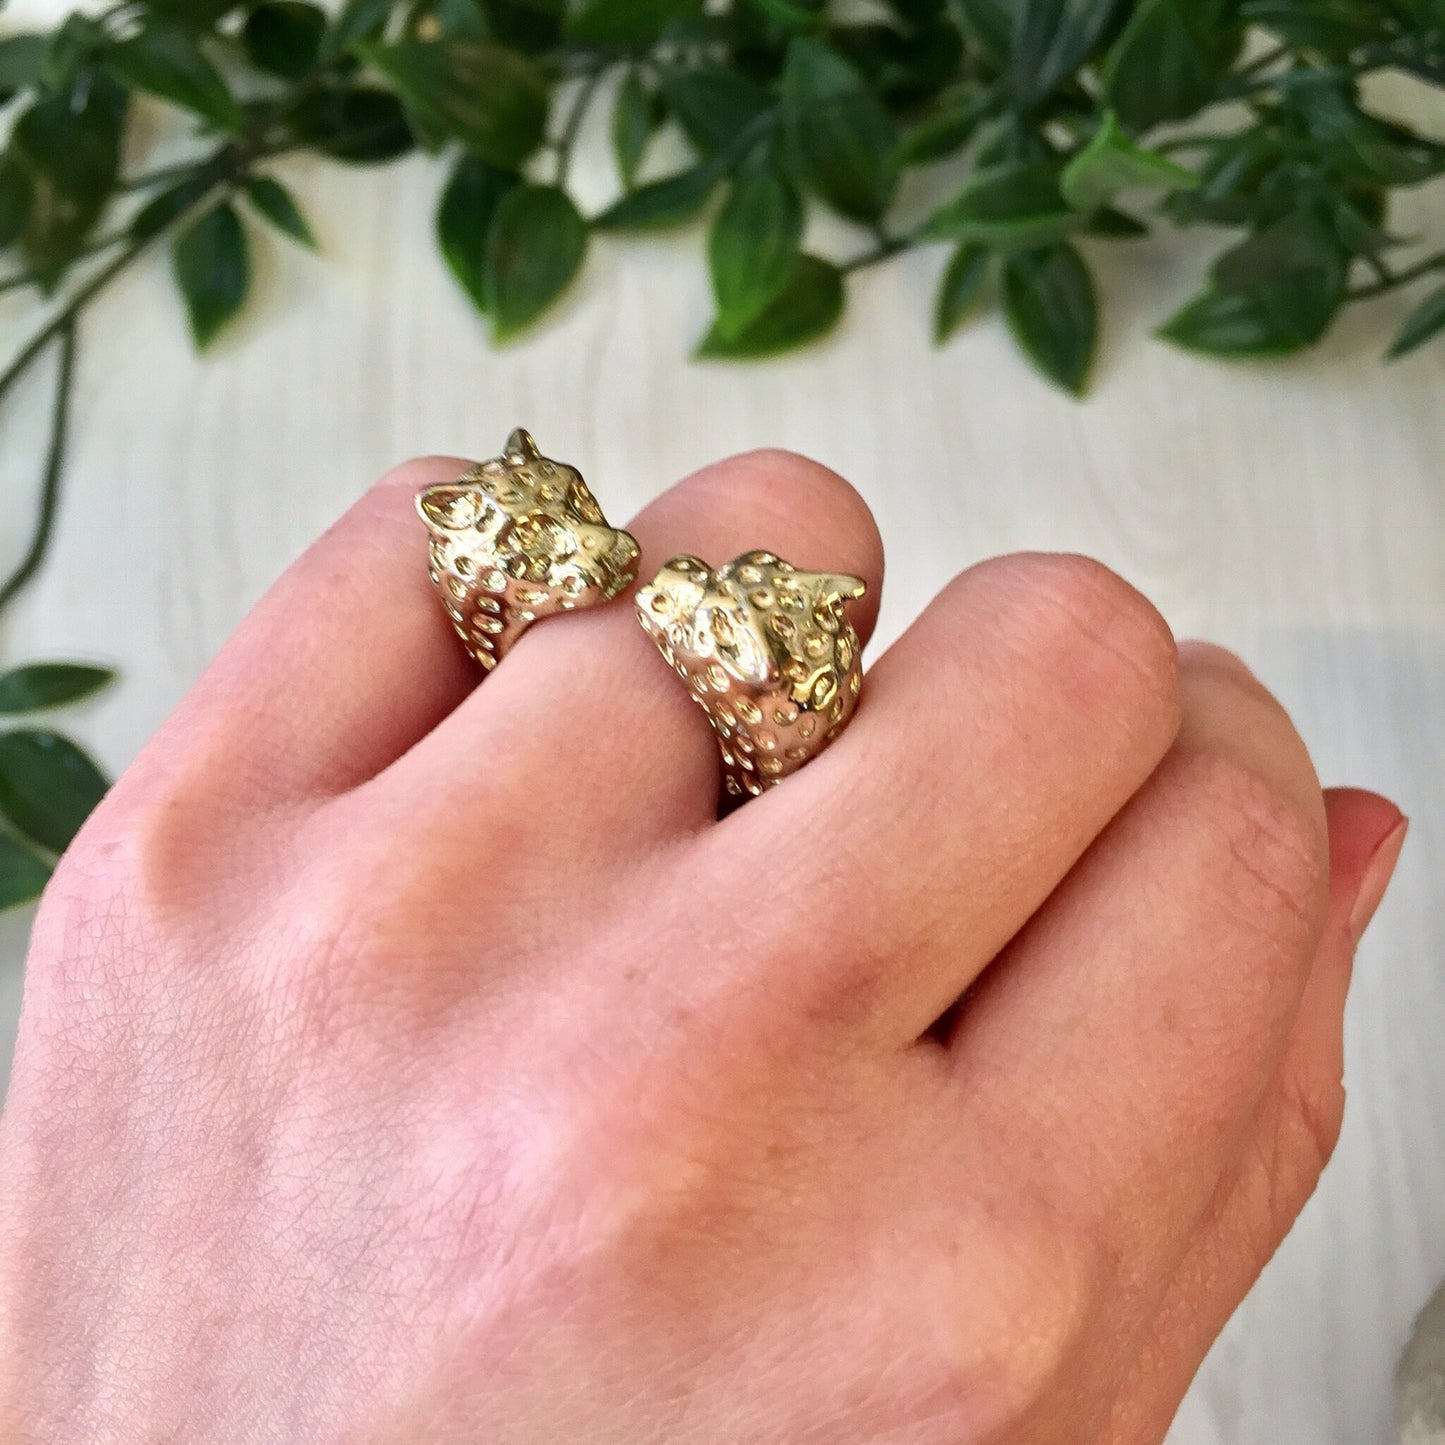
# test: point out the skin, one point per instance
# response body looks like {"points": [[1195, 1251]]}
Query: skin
{"points": [[406, 1060]]}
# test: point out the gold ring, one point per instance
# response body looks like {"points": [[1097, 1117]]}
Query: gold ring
{"points": [[516, 539], [768, 653]]}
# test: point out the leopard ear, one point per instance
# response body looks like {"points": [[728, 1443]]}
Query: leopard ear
{"points": [[520, 448], [449, 506], [828, 587]]}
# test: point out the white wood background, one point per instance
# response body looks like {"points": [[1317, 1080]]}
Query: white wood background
{"points": [[1295, 512]]}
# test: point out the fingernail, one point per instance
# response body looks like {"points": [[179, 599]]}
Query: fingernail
{"points": [[1378, 873]]}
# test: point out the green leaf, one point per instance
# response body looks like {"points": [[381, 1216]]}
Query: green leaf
{"points": [[659, 204], [806, 309], [1171, 60], [1336, 27], [1229, 324], [364, 126], [1014, 204], [1051, 39], [17, 191], [1293, 270], [631, 23], [632, 125], [492, 100], [1426, 321], [754, 245], [947, 127], [989, 25], [70, 144], [273, 201], [49, 684], [464, 221], [1048, 298], [357, 20], [961, 290], [1111, 163], [534, 250], [212, 266], [715, 107], [23, 872], [169, 205], [1115, 225], [48, 786], [164, 61], [22, 63], [284, 37], [841, 140]]}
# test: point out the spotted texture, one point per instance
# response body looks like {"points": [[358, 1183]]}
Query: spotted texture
{"points": [[768, 653], [518, 538]]}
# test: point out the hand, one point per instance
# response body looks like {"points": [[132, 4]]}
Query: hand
{"points": [[404, 1060]]}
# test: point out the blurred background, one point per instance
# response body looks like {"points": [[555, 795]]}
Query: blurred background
{"points": [[1294, 511]]}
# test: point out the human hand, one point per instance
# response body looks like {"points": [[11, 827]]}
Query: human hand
{"points": [[409, 1061]]}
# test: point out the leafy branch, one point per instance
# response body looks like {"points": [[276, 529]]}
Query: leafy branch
{"points": [[1031, 133]]}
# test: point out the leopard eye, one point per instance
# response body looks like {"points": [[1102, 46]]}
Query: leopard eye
{"points": [[584, 504], [543, 536]]}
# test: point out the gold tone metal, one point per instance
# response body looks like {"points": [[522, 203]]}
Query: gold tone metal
{"points": [[768, 653], [516, 539]]}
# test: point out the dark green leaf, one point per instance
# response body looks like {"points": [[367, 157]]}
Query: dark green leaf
{"points": [[534, 249], [277, 205], [164, 61], [1336, 27], [1048, 297], [807, 309], [1115, 225], [23, 872], [1051, 39], [715, 107], [949, 125], [17, 191], [169, 205], [668, 202], [754, 245], [451, 19], [989, 24], [358, 20], [22, 63], [632, 23], [212, 266], [1171, 59], [1229, 324], [1293, 271], [961, 289], [492, 100], [364, 126], [840, 137], [47, 786], [1426, 321], [49, 684], [1016, 204], [633, 114], [1111, 163], [70, 144], [531, 26], [284, 37], [464, 220]]}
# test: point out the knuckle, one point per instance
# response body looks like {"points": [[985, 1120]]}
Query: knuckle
{"points": [[1273, 862], [1086, 623]]}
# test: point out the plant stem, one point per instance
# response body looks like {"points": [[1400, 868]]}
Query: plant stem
{"points": [[568, 139], [887, 246], [1392, 281], [54, 463]]}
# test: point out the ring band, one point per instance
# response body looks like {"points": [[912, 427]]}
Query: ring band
{"points": [[768, 653], [516, 539]]}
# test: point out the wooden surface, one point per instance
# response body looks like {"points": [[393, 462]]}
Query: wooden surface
{"points": [[1296, 513]]}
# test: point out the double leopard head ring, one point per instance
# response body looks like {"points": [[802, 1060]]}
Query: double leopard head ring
{"points": [[765, 648]]}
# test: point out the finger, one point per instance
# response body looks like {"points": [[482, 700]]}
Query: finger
{"points": [[342, 665], [1112, 1056], [992, 743], [600, 736], [1288, 1143]]}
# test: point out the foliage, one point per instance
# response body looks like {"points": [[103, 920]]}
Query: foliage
{"points": [[1017, 134]]}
